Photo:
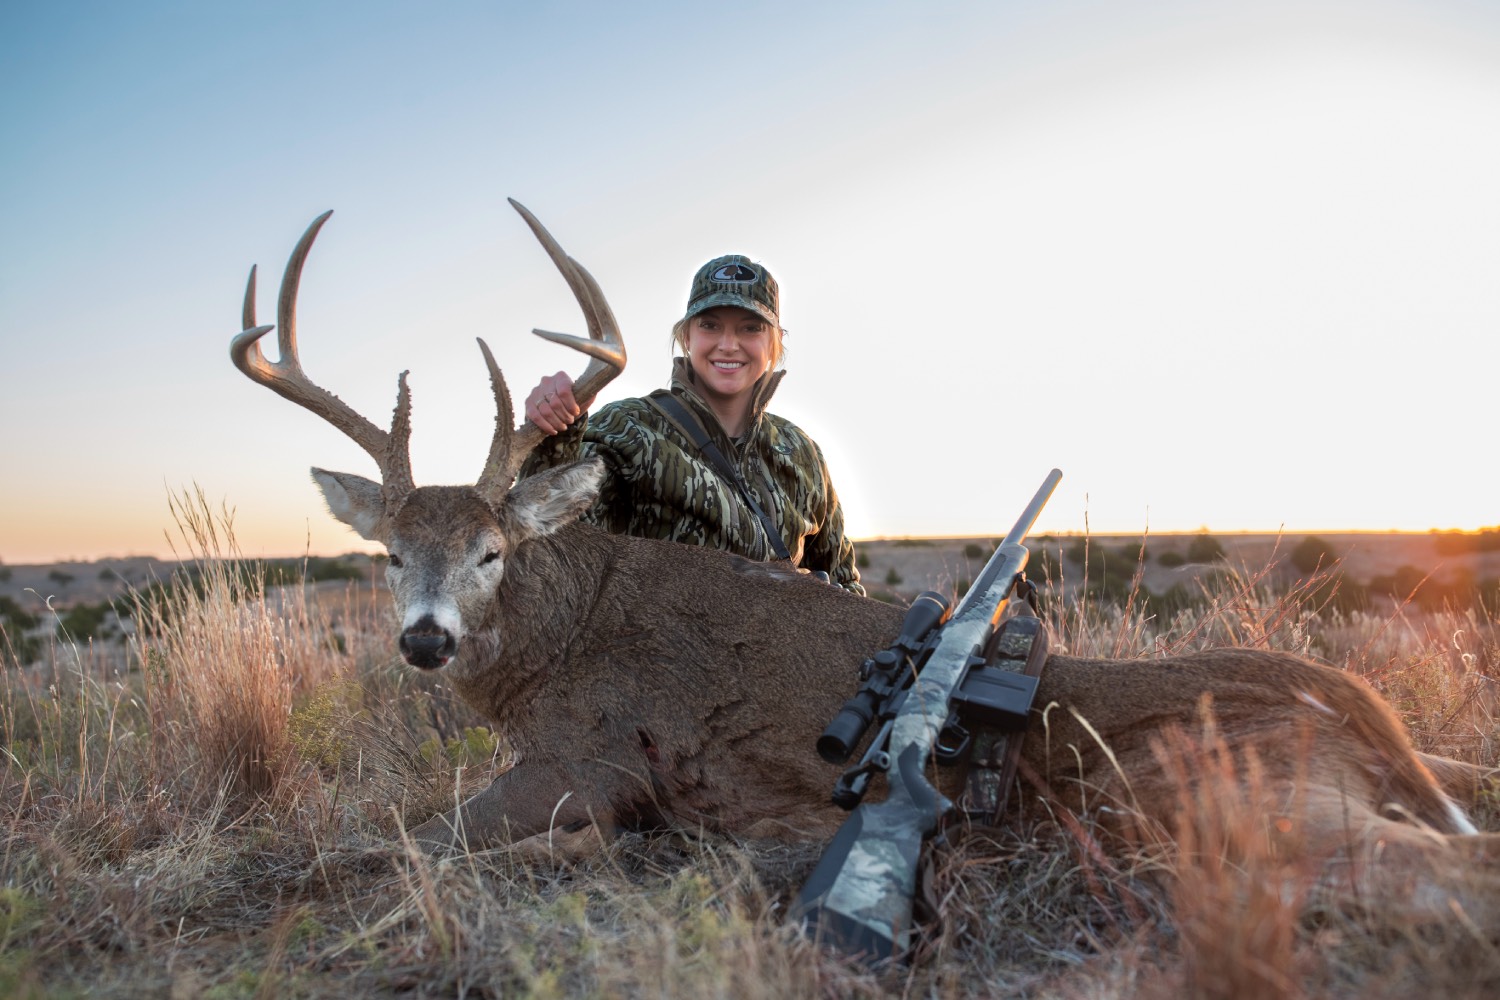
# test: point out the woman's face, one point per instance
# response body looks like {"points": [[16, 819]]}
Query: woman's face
{"points": [[730, 349]]}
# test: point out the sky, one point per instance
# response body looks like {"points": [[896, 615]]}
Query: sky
{"points": [[1228, 266]]}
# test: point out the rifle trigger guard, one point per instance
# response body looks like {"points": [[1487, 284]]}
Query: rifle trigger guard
{"points": [[953, 743]]}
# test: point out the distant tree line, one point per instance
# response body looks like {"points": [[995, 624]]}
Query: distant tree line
{"points": [[1110, 574], [82, 621], [1461, 543]]}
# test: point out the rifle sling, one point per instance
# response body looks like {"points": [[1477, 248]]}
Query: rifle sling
{"points": [[1019, 646], [1036, 658], [680, 415]]}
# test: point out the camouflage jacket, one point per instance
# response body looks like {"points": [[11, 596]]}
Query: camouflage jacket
{"points": [[658, 485]]}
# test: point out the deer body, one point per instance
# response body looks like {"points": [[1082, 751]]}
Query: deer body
{"points": [[643, 682], [639, 705], [627, 700], [629, 705]]}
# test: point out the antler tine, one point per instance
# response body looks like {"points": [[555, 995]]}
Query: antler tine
{"points": [[604, 342], [285, 377], [564, 263], [247, 311], [604, 346], [497, 471]]}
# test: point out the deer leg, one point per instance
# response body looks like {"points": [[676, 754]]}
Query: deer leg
{"points": [[1426, 878], [561, 844], [1463, 782], [1382, 867], [531, 803]]}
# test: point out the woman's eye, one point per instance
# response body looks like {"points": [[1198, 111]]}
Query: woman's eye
{"points": [[395, 561], [489, 557]]}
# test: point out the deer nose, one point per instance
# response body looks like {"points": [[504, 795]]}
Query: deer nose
{"points": [[427, 645]]}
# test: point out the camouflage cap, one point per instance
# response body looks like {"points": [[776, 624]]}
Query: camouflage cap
{"points": [[735, 280]]}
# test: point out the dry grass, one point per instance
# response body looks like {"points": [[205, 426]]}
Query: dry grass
{"points": [[223, 816]]}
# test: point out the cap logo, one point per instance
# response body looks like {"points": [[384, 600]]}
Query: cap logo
{"points": [[734, 274]]}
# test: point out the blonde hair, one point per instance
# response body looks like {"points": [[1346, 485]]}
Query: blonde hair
{"points": [[778, 350]]}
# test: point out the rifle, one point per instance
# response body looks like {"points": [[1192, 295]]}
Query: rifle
{"points": [[934, 676]]}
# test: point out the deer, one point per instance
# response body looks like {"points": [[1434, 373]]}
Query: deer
{"points": [[645, 684]]}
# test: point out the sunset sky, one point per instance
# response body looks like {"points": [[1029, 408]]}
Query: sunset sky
{"points": [[1226, 265]]}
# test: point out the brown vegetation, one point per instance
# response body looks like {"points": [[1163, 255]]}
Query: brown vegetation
{"points": [[224, 815]]}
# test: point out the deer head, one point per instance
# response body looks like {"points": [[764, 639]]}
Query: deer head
{"points": [[447, 544]]}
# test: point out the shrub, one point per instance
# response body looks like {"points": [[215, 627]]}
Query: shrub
{"points": [[1108, 589], [974, 551], [17, 617], [892, 578], [1312, 554], [60, 578], [862, 559], [17, 648], [1487, 596], [1406, 581], [1459, 592], [477, 746], [1336, 592], [333, 569], [1045, 562], [1453, 543], [1171, 559], [1175, 599], [1204, 548], [85, 621], [285, 572], [1114, 567]]}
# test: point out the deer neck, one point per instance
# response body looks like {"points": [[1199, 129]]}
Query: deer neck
{"points": [[550, 587]]}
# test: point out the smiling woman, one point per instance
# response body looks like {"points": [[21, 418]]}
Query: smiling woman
{"points": [[729, 349], [704, 462]]}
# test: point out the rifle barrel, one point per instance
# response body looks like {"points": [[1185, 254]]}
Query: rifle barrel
{"points": [[1009, 546], [860, 894]]}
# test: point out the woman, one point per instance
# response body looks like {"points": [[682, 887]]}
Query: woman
{"points": [[703, 462]]}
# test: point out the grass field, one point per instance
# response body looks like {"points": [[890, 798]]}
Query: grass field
{"points": [[220, 812]]}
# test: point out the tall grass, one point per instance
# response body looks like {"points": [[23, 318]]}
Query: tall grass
{"points": [[222, 814]]}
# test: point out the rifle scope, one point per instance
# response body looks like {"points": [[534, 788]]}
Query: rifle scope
{"points": [[879, 675]]}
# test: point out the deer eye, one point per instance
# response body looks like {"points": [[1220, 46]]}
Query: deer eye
{"points": [[489, 557], [395, 561]]}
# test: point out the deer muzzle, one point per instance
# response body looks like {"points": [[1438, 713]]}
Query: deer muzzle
{"points": [[426, 645]]}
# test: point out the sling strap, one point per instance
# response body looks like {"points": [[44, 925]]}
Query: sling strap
{"points": [[672, 407], [1020, 646]]}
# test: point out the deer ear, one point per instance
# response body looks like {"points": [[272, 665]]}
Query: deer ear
{"points": [[354, 500], [549, 500]]}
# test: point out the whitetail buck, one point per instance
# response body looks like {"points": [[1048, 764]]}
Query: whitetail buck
{"points": [[644, 682]]}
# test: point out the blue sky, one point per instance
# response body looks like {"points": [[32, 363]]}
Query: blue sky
{"points": [[1225, 267]]}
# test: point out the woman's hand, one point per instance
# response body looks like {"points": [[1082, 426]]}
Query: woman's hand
{"points": [[551, 405]]}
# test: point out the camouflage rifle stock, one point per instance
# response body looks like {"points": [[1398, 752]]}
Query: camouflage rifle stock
{"points": [[859, 897]]}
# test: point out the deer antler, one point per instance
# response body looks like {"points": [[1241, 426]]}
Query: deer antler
{"points": [[389, 450], [603, 345]]}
